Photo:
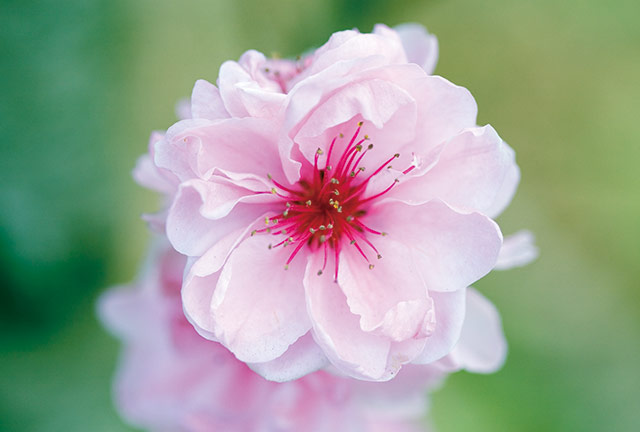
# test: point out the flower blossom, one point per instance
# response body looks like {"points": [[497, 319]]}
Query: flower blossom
{"points": [[170, 378], [335, 209]]}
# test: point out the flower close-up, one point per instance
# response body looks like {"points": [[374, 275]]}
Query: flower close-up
{"points": [[333, 209]]}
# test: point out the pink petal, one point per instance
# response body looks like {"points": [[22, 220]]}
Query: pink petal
{"points": [[388, 112], [302, 358], [147, 174], [482, 347], [206, 102], [197, 292], [451, 250], [444, 110], [353, 47], [183, 109], [421, 47], [196, 220], [195, 148], [517, 250], [258, 306], [337, 330], [391, 298], [243, 94], [450, 314], [470, 173]]}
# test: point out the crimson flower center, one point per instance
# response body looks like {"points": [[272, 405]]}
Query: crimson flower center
{"points": [[325, 212]]}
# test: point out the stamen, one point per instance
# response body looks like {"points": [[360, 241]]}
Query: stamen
{"points": [[312, 216]]}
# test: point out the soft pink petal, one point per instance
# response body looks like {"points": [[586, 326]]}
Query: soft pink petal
{"points": [[450, 312], [470, 172], [506, 192], [337, 330], [444, 110], [420, 46], [352, 46], [258, 306], [183, 109], [388, 111], [302, 358], [244, 92], [197, 292], [391, 298], [517, 250], [147, 174], [482, 347], [451, 250], [195, 148], [206, 102], [195, 224]]}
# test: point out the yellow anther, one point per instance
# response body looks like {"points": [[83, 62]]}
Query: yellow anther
{"points": [[371, 266], [360, 123]]}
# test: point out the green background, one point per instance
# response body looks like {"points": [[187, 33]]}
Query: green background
{"points": [[85, 81]]}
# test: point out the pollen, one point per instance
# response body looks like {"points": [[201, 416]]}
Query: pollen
{"points": [[312, 217]]}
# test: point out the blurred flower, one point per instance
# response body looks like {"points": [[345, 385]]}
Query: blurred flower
{"points": [[172, 379], [336, 208]]}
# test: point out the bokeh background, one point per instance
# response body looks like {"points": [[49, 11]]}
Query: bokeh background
{"points": [[83, 82]]}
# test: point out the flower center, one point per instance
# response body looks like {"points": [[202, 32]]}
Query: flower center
{"points": [[325, 211]]}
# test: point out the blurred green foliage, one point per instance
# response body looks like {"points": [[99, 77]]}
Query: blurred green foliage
{"points": [[85, 81]]}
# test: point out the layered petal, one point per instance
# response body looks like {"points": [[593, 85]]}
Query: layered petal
{"points": [[337, 330], [450, 249], [517, 250], [203, 213], [482, 165], [449, 310], [206, 102], [420, 46], [258, 307], [302, 358], [482, 347], [195, 148], [391, 298]]}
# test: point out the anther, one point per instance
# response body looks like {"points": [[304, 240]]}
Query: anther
{"points": [[379, 256], [371, 266], [319, 272], [323, 238], [253, 232]]}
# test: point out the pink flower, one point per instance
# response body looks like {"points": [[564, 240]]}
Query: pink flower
{"points": [[170, 378], [335, 210]]}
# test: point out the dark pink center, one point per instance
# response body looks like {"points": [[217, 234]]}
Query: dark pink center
{"points": [[325, 211]]}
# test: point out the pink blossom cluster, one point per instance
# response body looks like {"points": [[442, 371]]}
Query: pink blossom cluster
{"points": [[324, 220]]}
